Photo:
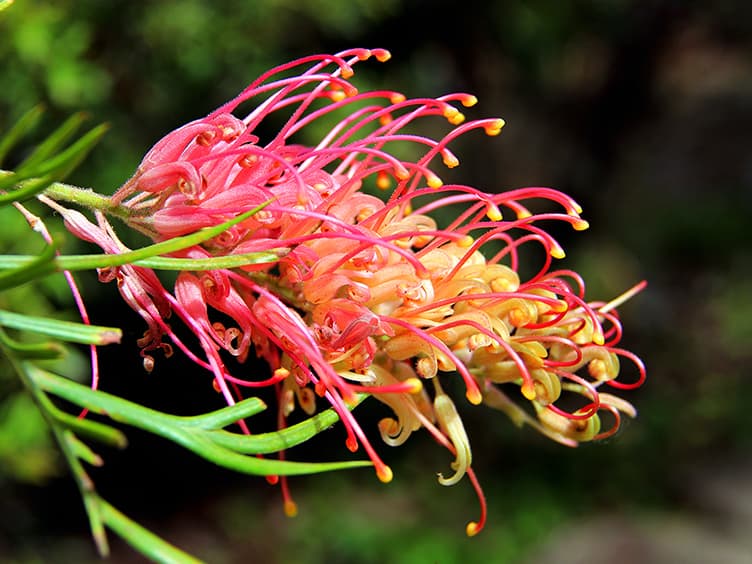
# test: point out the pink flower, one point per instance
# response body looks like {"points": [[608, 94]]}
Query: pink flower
{"points": [[371, 296]]}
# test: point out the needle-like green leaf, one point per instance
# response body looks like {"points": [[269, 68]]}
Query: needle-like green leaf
{"points": [[23, 126], [265, 443], [52, 144], [24, 190], [84, 262], [40, 266], [61, 164], [193, 433], [63, 330], [32, 351]]}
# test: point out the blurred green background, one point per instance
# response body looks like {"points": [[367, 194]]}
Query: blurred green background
{"points": [[641, 110]]}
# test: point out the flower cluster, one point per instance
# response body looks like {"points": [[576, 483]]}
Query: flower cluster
{"points": [[368, 295]]}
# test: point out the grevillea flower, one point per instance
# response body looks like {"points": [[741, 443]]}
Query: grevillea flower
{"points": [[388, 297]]}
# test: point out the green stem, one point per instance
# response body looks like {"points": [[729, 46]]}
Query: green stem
{"points": [[85, 197]]}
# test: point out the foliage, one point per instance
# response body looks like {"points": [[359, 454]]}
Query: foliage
{"points": [[24, 443]]}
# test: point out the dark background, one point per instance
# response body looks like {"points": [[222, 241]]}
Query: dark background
{"points": [[640, 110]]}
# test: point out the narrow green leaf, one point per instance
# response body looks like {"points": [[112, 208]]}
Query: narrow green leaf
{"points": [[64, 162], [93, 505], [10, 180], [63, 330], [15, 261], [29, 351], [51, 167], [265, 443], [41, 266], [256, 466], [24, 125], [81, 450], [86, 427], [225, 416], [52, 143], [214, 263], [87, 262], [25, 191], [143, 540], [175, 429], [92, 429]]}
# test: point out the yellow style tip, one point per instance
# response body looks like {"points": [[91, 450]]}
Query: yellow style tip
{"points": [[385, 474], [494, 213], [401, 173], [383, 182], [382, 55], [453, 115], [474, 396], [415, 386], [451, 161], [494, 128], [469, 101], [558, 253], [434, 181], [457, 119], [337, 95], [472, 529], [450, 112], [466, 241], [580, 225], [386, 119], [291, 508]]}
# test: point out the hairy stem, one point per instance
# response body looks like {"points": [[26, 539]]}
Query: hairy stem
{"points": [[84, 197]]}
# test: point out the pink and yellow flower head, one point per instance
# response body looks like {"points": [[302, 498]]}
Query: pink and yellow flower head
{"points": [[380, 296]]}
